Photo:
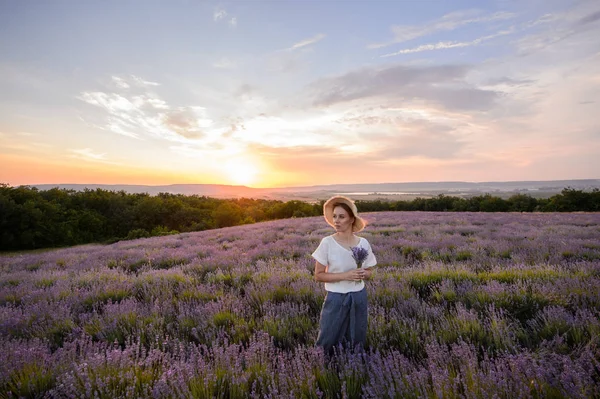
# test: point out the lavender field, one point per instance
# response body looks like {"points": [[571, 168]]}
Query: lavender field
{"points": [[463, 305]]}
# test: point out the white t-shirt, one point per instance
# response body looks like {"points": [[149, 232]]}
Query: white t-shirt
{"points": [[338, 259]]}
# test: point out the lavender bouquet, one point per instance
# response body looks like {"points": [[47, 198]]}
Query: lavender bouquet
{"points": [[360, 255]]}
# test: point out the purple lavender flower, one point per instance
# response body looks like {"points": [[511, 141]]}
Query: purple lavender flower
{"points": [[360, 255]]}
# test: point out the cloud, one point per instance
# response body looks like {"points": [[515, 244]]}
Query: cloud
{"points": [[307, 42], [132, 80], [352, 130], [506, 81], [449, 22], [445, 85], [544, 19], [146, 115], [120, 82], [112, 102], [293, 58], [141, 82], [88, 154], [559, 27], [293, 129], [590, 18], [219, 14], [185, 122], [397, 133], [449, 45]]}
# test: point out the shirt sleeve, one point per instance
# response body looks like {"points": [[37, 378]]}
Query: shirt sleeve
{"points": [[371, 260], [320, 253]]}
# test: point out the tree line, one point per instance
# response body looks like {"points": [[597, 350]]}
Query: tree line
{"points": [[569, 200], [32, 218]]}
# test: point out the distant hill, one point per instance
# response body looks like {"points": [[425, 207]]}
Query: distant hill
{"points": [[455, 186], [358, 191]]}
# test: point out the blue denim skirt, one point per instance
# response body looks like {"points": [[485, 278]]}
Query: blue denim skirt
{"points": [[343, 320]]}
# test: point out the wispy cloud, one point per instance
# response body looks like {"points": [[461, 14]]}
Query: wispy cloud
{"points": [[445, 86], [544, 19], [185, 121], [222, 14], [563, 25], [141, 82], [590, 18], [132, 80], [219, 14], [449, 44], [88, 154], [293, 58], [141, 115], [307, 42], [449, 22], [120, 82]]}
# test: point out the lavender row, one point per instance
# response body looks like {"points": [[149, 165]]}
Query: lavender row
{"points": [[174, 369]]}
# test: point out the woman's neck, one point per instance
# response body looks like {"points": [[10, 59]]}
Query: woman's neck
{"points": [[345, 235], [346, 239]]}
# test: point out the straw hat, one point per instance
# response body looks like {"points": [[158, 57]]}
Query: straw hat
{"points": [[359, 223]]}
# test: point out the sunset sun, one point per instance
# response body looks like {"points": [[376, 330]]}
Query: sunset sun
{"points": [[240, 172]]}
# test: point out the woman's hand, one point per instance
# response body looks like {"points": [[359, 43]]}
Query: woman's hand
{"points": [[356, 275]]}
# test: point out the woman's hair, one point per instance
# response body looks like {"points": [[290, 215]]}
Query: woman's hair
{"points": [[346, 208]]}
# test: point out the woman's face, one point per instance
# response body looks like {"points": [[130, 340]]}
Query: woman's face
{"points": [[342, 220]]}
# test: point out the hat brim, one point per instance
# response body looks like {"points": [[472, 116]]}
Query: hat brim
{"points": [[359, 223]]}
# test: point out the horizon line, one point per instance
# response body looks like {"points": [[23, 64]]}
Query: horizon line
{"points": [[301, 186]]}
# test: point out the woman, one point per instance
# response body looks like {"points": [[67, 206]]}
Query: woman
{"points": [[344, 312]]}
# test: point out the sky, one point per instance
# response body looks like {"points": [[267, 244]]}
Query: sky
{"points": [[295, 93]]}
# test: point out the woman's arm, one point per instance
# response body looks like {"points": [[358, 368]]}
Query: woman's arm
{"points": [[352, 275]]}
